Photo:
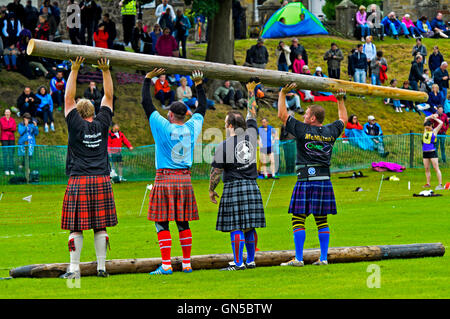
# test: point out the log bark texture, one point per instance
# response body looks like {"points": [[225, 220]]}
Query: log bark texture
{"points": [[216, 261], [212, 70]]}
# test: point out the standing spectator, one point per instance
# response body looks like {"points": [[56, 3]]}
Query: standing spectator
{"points": [[283, 60], [115, 140], [94, 95], [416, 72], [334, 57], [440, 77], [162, 9], [155, 34], [361, 20], [166, 20], [89, 12], [424, 27], [421, 49], [258, 55], [56, 13], [7, 128], [439, 26], [167, 45], [42, 30], [296, 49], [435, 59], [379, 69], [147, 41], [137, 37], [11, 30], [27, 102], [442, 132], [226, 94], [101, 37], [374, 22], [360, 65], [288, 145], [163, 92], [73, 21], [372, 128], [200, 29], [413, 30], [370, 50], [393, 26], [31, 16], [128, 12], [297, 66], [46, 11], [267, 139], [182, 26], [28, 131], [18, 9], [110, 28], [350, 66], [45, 108], [57, 88]]}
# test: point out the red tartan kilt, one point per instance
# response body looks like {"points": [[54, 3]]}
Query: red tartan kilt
{"points": [[172, 197], [88, 204]]}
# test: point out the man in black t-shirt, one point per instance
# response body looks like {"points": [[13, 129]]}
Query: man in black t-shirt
{"points": [[89, 200], [313, 192], [241, 209]]}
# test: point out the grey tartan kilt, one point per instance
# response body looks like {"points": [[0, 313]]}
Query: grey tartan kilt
{"points": [[240, 207]]}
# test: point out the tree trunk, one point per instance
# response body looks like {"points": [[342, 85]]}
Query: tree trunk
{"points": [[220, 35]]}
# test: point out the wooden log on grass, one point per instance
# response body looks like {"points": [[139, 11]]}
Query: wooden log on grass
{"points": [[63, 51], [217, 261]]}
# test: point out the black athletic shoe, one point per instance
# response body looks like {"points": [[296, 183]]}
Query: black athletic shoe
{"points": [[102, 273], [233, 267]]}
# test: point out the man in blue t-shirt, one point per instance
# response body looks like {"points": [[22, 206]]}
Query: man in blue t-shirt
{"points": [[267, 139], [172, 197]]}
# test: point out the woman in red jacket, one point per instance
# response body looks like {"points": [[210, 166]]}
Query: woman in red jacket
{"points": [[7, 128], [101, 37], [353, 124], [115, 140]]}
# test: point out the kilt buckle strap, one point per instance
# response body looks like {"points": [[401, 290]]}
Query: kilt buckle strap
{"points": [[313, 173]]}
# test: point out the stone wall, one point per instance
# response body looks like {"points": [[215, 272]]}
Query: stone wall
{"points": [[417, 8]]}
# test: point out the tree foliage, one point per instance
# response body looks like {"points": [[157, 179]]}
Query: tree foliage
{"points": [[330, 5], [208, 8]]}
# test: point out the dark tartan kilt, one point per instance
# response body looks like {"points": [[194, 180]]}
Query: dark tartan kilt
{"points": [[314, 197], [88, 203], [240, 207], [172, 197]]}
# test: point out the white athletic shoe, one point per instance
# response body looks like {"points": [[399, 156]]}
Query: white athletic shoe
{"points": [[12, 173], [294, 262], [439, 187], [320, 263], [7, 173]]}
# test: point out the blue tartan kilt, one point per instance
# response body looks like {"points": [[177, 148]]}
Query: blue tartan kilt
{"points": [[314, 197], [240, 207]]}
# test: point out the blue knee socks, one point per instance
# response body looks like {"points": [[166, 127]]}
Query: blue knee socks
{"points": [[299, 241], [237, 245], [324, 239], [250, 244]]}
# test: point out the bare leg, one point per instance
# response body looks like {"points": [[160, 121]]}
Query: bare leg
{"points": [[435, 163], [426, 164]]}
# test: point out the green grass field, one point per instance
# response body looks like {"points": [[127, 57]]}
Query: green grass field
{"points": [[30, 233]]}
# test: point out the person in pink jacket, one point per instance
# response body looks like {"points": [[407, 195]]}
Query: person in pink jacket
{"points": [[167, 45], [8, 127], [361, 22], [297, 66], [411, 27]]}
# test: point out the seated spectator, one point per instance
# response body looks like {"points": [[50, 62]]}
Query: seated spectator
{"points": [[411, 27], [115, 140], [101, 37], [163, 92], [361, 22], [27, 102], [374, 22], [396, 103], [435, 99], [58, 88], [110, 28], [184, 94], [94, 95], [11, 29], [435, 59], [379, 69], [42, 31], [178, 77], [7, 129], [353, 123], [28, 131], [372, 128], [427, 84], [393, 26], [258, 56], [137, 37], [23, 58], [299, 63], [155, 34], [424, 27], [282, 52], [226, 94], [45, 108], [439, 26], [10, 57], [421, 49], [293, 102], [166, 44]]}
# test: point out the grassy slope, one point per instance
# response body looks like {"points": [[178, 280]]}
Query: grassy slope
{"points": [[132, 119], [30, 233]]}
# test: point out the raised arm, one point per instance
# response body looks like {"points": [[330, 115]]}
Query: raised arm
{"points": [[342, 111], [146, 102], [108, 88], [434, 117], [197, 77], [71, 87], [282, 110]]}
